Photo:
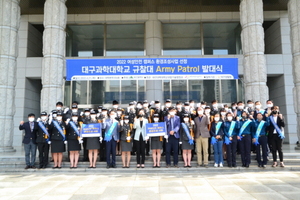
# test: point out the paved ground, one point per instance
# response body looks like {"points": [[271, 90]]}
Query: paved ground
{"points": [[207, 185]]}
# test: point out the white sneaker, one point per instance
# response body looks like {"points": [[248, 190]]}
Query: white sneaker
{"points": [[216, 165], [221, 165]]}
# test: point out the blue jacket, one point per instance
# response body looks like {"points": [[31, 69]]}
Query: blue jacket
{"points": [[248, 130], [213, 130], [227, 127], [176, 126], [28, 134], [264, 128], [107, 124]]}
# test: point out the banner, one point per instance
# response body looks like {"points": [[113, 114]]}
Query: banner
{"points": [[152, 68], [91, 130], [156, 129]]}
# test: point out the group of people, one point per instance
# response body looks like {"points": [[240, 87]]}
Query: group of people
{"points": [[190, 128]]}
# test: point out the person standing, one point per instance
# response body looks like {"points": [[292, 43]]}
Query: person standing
{"points": [[29, 141], [187, 139], [140, 138], [172, 137], [156, 145], [42, 139], [202, 135], [217, 134], [126, 136]]}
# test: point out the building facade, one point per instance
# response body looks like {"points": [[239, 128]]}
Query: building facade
{"points": [[38, 36]]}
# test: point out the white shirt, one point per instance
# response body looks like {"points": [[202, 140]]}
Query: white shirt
{"points": [[275, 120]]}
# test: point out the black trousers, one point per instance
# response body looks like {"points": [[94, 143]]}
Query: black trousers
{"points": [[264, 148], [85, 151], [140, 150], [231, 152], [172, 144], [277, 146], [245, 148], [43, 148]]}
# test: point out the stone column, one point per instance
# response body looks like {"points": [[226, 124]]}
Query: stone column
{"points": [[153, 49], [294, 19], [9, 25], [253, 45], [54, 42]]}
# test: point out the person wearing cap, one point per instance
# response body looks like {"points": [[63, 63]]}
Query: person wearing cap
{"points": [[131, 112], [140, 138], [172, 137], [112, 129], [187, 139], [179, 110], [58, 139], [126, 136], [156, 145], [29, 140], [74, 140], [42, 139]]}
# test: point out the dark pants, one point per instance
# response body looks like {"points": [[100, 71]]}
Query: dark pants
{"points": [[231, 152], [30, 152], [147, 147], [277, 146], [172, 144], [102, 150], [111, 150], [245, 148], [43, 148], [140, 150], [263, 144], [85, 151]]}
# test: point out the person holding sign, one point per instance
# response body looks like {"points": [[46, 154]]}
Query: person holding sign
{"points": [[58, 139], [172, 137], [112, 127], [140, 138], [276, 135], [74, 140], [217, 133], [187, 139], [156, 145], [126, 136]]}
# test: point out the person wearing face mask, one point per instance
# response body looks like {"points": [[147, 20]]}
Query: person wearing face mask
{"points": [[140, 138], [29, 140], [131, 112], [103, 116], [156, 145], [214, 107], [245, 133], [115, 106], [250, 107], [58, 139], [258, 109], [165, 110], [231, 129], [42, 139], [201, 137], [192, 106], [270, 104], [233, 107], [112, 129], [126, 136], [187, 139], [276, 135], [147, 116], [74, 139], [85, 119], [119, 118], [172, 137], [239, 110], [139, 106], [179, 110], [260, 139], [217, 134]]}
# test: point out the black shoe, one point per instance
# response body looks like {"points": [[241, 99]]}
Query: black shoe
{"points": [[230, 166], [114, 166], [206, 166], [234, 166], [243, 165], [45, 166], [41, 166], [27, 167], [189, 166], [59, 167], [147, 154], [176, 166], [107, 166], [168, 166], [157, 166], [185, 166], [247, 166], [33, 167], [90, 167]]}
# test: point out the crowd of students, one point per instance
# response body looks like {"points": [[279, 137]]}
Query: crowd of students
{"points": [[190, 129]]}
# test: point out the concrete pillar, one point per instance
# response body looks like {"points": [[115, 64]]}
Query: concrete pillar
{"points": [[9, 25], [294, 19], [253, 45], [54, 42], [153, 49]]}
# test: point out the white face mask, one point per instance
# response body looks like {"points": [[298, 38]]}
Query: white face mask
{"points": [[126, 121], [99, 110], [223, 113], [31, 119], [215, 105], [258, 106], [269, 105], [59, 118], [74, 118], [87, 114], [172, 113], [178, 106], [131, 107], [139, 106], [93, 116], [217, 119], [104, 113], [186, 119], [74, 110], [192, 104], [157, 105], [233, 107], [168, 104], [187, 107], [119, 113], [241, 107], [54, 115], [145, 105], [229, 118], [156, 119], [115, 106], [200, 112], [207, 112], [44, 117], [203, 106], [113, 116], [226, 109], [58, 108], [250, 105]]}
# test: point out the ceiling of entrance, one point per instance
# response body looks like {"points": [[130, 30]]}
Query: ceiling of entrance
{"points": [[144, 6]]}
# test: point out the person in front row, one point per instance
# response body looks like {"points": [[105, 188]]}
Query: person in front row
{"points": [[29, 140], [42, 139], [187, 139], [172, 137], [202, 135], [217, 134], [112, 127], [140, 138], [126, 136], [156, 145]]}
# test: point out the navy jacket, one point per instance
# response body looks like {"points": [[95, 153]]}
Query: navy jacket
{"points": [[29, 136], [176, 126]]}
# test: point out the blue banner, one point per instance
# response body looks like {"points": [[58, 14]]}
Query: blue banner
{"points": [[152, 68], [156, 129], [91, 130]]}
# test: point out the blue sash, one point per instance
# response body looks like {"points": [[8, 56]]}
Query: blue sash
{"points": [[230, 131], [57, 126], [42, 126], [258, 130], [277, 128], [74, 128], [187, 132], [108, 135], [213, 139], [244, 127]]}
